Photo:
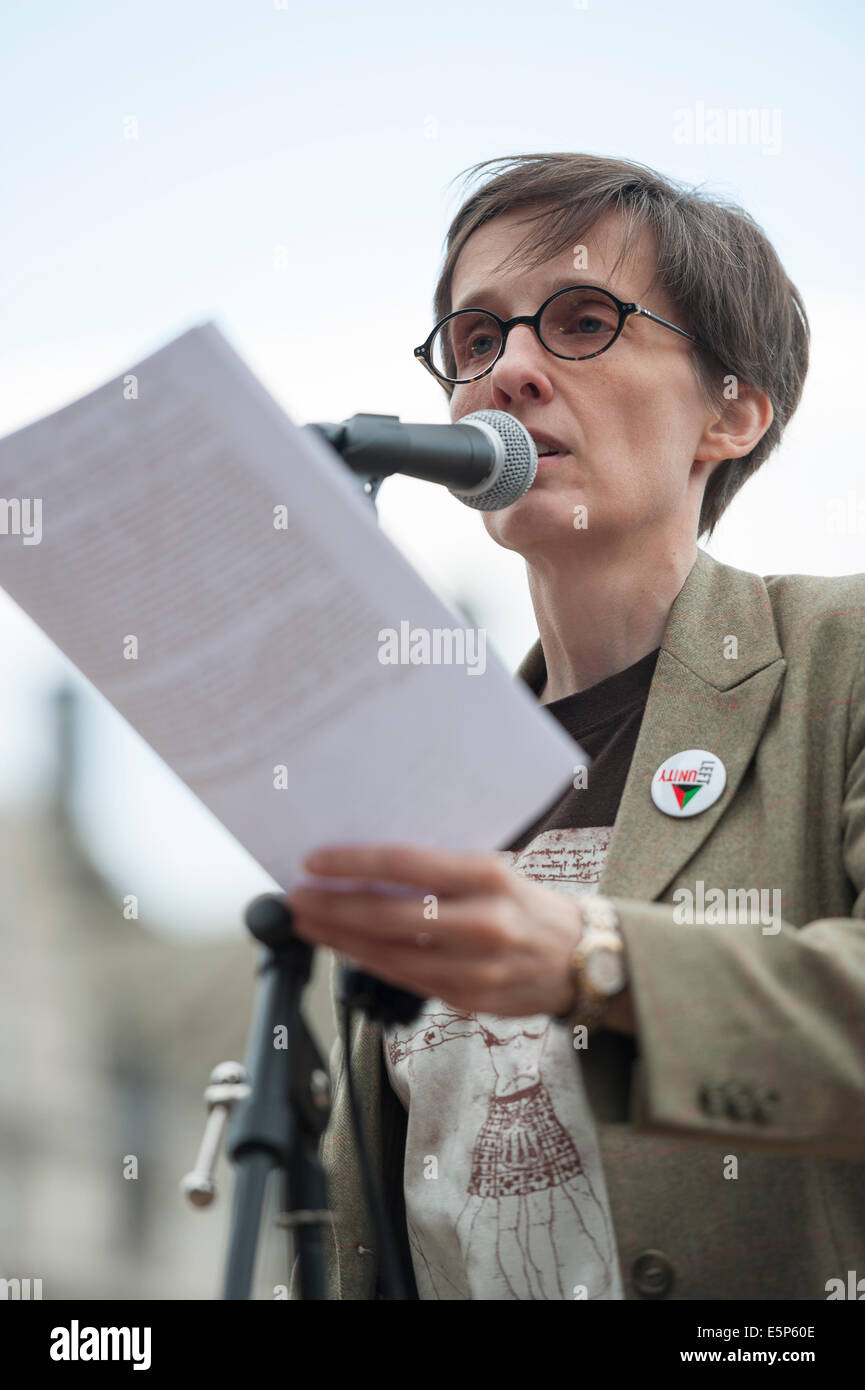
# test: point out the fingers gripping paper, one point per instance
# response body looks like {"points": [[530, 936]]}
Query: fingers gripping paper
{"points": [[219, 576]]}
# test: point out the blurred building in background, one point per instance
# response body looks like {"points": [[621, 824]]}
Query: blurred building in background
{"points": [[108, 1034]]}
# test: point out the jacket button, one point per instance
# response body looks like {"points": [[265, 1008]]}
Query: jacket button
{"points": [[763, 1108], [653, 1274], [739, 1100], [710, 1100]]}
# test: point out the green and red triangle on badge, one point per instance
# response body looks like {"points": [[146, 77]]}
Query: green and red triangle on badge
{"points": [[684, 793]]}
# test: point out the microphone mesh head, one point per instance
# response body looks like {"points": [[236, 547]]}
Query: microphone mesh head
{"points": [[520, 464]]}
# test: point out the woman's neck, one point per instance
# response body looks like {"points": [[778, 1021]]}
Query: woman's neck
{"points": [[597, 620]]}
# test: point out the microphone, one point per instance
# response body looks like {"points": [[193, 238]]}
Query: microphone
{"points": [[487, 460]]}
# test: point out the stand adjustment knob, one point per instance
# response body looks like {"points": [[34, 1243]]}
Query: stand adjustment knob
{"points": [[319, 1085], [228, 1085]]}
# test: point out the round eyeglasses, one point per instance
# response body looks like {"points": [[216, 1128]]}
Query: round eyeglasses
{"points": [[575, 323]]}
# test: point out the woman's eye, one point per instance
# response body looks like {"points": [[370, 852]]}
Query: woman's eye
{"points": [[590, 319], [479, 346], [594, 320]]}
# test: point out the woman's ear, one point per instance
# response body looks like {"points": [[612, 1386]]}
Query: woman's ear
{"points": [[735, 428]]}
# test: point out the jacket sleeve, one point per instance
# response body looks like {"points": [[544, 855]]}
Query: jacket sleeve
{"points": [[741, 1033]]}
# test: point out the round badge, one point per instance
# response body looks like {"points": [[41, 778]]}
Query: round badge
{"points": [[688, 783]]}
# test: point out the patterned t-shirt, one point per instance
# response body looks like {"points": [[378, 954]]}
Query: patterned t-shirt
{"points": [[504, 1189]]}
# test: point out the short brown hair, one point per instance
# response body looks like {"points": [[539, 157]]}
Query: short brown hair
{"points": [[714, 261]]}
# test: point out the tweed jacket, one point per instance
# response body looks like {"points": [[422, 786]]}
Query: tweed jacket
{"points": [[732, 1127]]}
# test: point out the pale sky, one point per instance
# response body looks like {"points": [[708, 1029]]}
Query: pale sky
{"points": [[285, 171]]}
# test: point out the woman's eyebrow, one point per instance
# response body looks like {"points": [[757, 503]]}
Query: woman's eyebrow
{"points": [[491, 293]]}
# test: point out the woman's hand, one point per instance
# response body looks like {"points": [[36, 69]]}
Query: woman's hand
{"points": [[478, 935]]}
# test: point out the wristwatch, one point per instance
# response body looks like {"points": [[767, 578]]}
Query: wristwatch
{"points": [[598, 963]]}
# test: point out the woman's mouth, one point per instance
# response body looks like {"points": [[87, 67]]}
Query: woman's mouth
{"points": [[550, 450]]}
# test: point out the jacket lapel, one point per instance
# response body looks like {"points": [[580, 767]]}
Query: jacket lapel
{"points": [[699, 698]]}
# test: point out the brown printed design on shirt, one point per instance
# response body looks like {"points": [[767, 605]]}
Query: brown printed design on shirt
{"points": [[518, 1209], [570, 860]]}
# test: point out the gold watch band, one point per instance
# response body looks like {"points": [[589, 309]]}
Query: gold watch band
{"points": [[601, 932]]}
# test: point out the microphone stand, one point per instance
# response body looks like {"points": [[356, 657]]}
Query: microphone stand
{"points": [[281, 1106], [281, 1099]]}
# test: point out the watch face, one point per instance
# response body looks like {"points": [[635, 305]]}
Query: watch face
{"points": [[606, 971]]}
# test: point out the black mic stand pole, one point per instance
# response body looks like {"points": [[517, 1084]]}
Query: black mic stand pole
{"points": [[279, 1105], [280, 1123]]}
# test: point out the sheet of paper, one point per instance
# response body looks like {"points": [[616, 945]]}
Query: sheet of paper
{"points": [[219, 576]]}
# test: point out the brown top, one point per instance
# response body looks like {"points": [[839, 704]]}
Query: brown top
{"points": [[605, 720]]}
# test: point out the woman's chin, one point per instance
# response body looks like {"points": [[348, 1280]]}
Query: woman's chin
{"points": [[528, 533], [536, 519]]}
